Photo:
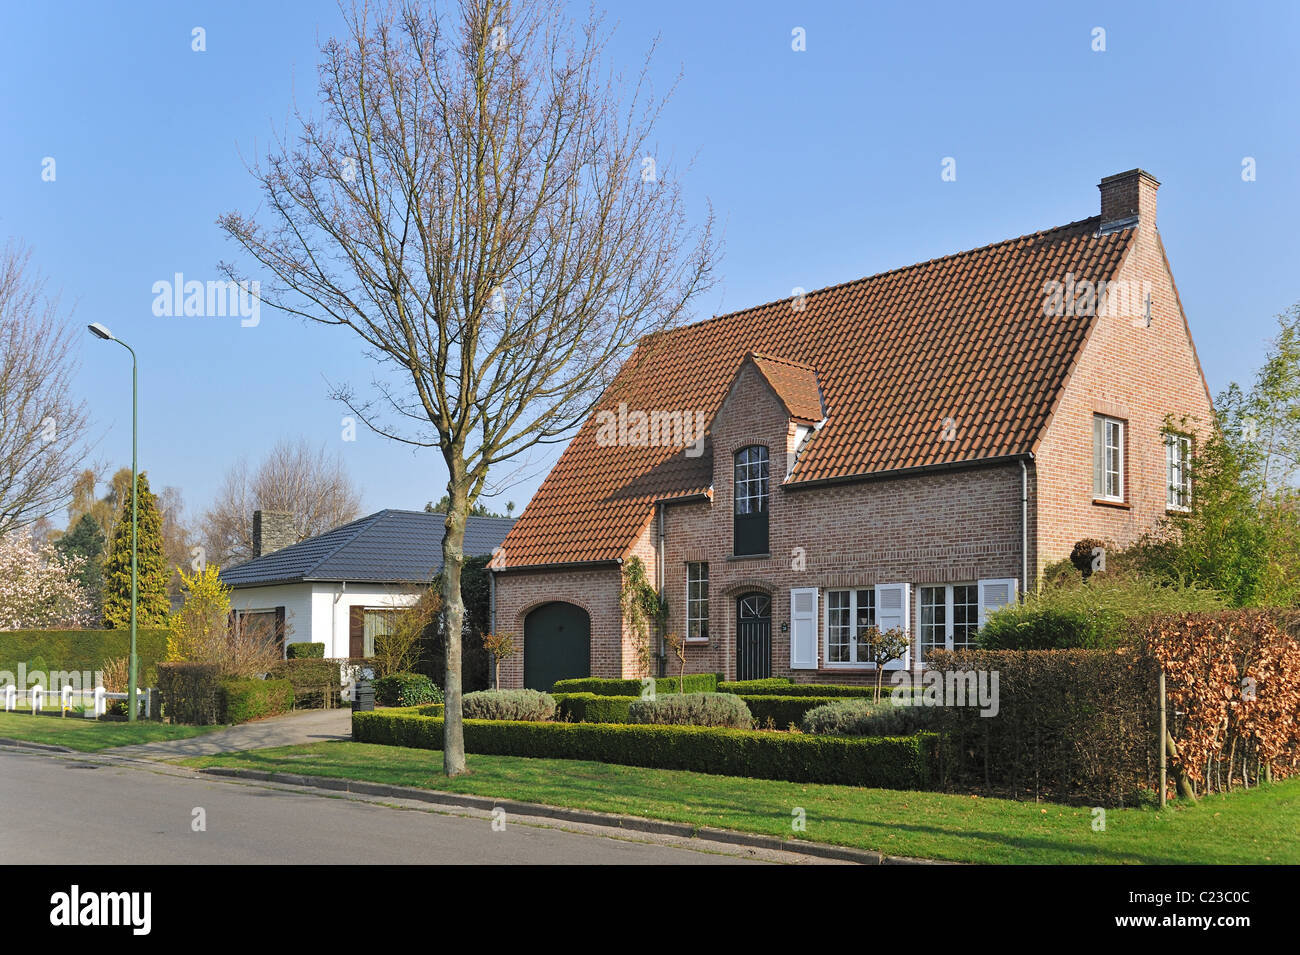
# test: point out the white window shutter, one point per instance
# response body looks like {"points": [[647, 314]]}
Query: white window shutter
{"points": [[893, 613], [994, 593], [1098, 456], [803, 628]]}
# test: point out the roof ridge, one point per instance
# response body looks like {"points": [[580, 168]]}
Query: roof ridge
{"points": [[767, 356], [366, 521], [878, 275]]}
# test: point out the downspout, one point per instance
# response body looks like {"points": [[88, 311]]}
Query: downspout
{"points": [[659, 584], [1024, 527], [492, 610]]}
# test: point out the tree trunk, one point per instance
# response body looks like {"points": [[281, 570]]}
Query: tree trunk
{"points": [[1185, 788], [453, 620]]}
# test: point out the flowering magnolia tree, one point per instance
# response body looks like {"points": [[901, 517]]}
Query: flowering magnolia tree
{"points": [[41, 589]]}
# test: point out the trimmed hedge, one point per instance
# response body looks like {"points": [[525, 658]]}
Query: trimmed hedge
{"points": [[590, 708], [310, 678], [693, 683], [778, 687], [433, 709], [508, 705], [81, 649], [406, 689], [305, 651], [189, 692], [240, 700], [882, 762], [692, 709], [783, 710], [856, 717]]}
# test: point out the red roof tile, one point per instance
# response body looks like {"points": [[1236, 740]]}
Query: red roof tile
{"points": [[948, 361]]}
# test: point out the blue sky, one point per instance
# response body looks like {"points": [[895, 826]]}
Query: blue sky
{"points": [[822, 165]]}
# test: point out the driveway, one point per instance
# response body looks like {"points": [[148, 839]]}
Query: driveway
{"points": [[304, 726]]}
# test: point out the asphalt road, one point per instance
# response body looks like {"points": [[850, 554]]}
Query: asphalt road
{"points": [[58, 810]]}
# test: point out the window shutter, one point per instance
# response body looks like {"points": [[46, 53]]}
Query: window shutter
{"points": [[356, 632], [994, 593], [1098, 456], [279, 629], [803, 628], [892, 613]]}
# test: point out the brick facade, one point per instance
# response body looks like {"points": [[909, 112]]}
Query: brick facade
{"points": [[933, 526]]}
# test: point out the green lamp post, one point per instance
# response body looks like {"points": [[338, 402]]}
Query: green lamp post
{"points": [[100, 331]]}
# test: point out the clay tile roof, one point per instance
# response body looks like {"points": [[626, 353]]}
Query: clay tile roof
{"points": [[949, 361], [795, 383]]}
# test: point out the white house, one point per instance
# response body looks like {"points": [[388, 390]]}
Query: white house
{"points": [[341, 587]]}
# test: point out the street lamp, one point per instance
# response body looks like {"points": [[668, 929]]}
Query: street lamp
{"points": [[100, 331]]}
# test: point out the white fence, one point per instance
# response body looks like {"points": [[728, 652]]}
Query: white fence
{"points": [[38, 698]]}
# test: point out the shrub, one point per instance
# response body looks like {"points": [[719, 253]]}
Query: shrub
{"points": [[1072, 725], [1106, 611], [433, 709], [777, 688], [590, 708], [867, 718], [241, 699], [781, 711], [528, 705], [692, 683], [311, 678], [305, 651], [81, 650], [890, 763], [189, 692], [692, 709], [406, 689]]}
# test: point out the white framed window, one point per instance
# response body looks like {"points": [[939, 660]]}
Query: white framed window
{"points": [[751, 480], [1107, 458], [948, 616], [849, 615], [697, 601], [1178, 477]]}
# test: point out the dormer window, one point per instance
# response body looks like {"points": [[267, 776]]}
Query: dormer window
{"points": [[751, 490]]}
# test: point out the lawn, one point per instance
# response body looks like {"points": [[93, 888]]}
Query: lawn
{"points": [[88, 736], [1259, 826]]}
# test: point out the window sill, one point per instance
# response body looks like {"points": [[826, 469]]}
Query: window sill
{"points": [[767, 556], [1119, 505], [1170, 509]]}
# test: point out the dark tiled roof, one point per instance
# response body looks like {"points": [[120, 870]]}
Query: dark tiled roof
{"points": [[965, 337], [388, 546]]}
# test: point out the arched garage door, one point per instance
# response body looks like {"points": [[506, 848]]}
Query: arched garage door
{"points": [[557, 645]]}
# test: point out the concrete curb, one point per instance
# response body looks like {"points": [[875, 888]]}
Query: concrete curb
{"points": [[40, 747], [584, 816]]}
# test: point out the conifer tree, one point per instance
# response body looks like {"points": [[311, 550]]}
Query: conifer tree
{"points": [[153, 605]]}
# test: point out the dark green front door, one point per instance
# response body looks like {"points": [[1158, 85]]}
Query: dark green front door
{"points": [[557, 645]]}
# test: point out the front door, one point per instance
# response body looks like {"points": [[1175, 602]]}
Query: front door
{"points": [[754, 637]]}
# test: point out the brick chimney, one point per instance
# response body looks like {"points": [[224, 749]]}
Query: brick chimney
{"points": [[272, 531], [1128, 198]]}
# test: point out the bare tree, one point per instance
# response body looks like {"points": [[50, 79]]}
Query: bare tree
{"points": [[478, 200], [43, 427], [295, 477]]}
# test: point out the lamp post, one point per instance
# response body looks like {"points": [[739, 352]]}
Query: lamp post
{"points": [[101, 332]]}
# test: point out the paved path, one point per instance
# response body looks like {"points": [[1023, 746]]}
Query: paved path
{"points": [[304, 726], [67, 809]]}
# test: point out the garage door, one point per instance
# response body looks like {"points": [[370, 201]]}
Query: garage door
{"points": [[557, 645]]}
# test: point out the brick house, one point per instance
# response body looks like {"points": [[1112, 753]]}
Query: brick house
{"points": [[906, 450]]}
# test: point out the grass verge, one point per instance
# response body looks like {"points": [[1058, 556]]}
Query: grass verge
{"points": [[1259, 826], [89, 736]]}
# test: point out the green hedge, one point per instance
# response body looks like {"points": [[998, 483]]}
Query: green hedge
{"points": [[693, 683], [783, 710], [189, 692], [883, 762], [433, 709], [780, 687], [406, 689], [310, 677], [305, 651], [81, 650], [240, 700], [590, 708]]}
